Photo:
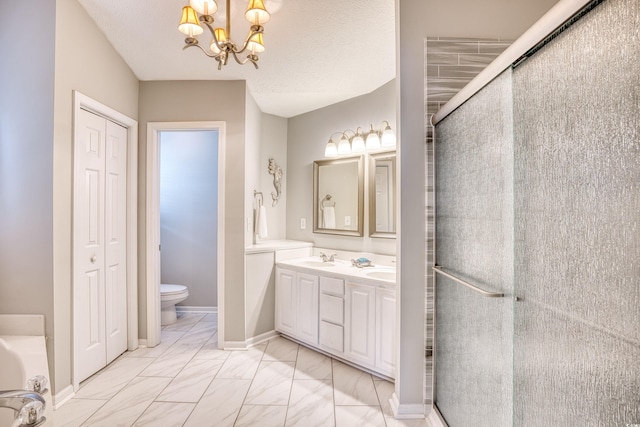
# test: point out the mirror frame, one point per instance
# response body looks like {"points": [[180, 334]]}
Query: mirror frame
{"points": [[316, 166], [372, 195]]}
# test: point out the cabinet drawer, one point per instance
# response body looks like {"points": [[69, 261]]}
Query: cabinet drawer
{"points": [[332, 309], [331, 336], [330, 285]]}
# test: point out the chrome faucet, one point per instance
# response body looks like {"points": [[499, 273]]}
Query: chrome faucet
{"points": [[29, 406], [326, 258]]}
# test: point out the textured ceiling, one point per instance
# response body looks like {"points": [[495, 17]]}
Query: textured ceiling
{"points": [[317, 52]]}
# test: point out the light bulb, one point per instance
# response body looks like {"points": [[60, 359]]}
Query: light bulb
{"points": [[331, 150], [388, 137], [343, 146]]}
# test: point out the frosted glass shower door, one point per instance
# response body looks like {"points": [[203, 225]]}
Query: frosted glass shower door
{"points": [[474, 242]]}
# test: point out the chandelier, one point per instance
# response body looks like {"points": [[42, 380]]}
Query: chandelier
{"points": [[221, 46]]}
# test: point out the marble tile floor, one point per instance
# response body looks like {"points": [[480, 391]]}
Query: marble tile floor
{"points": [[187, 381]]}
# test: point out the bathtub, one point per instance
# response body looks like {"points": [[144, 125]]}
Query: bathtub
{"points": [[23, 357]]}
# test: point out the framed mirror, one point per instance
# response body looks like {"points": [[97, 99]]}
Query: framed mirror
{"points": [[382, 195], [338, 196]]}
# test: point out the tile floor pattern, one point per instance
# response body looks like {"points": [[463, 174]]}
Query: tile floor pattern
{"points": [[187, 381]]}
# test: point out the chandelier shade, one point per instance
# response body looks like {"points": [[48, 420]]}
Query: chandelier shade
{"points": [[189, 24], [204, 7], [199, 13]]}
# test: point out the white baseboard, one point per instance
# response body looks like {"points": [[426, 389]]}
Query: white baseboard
{"points": [[63, 396], [142, 343], [434, 418], [196, 309], [406, 411], [235, 345], [261, 338]]}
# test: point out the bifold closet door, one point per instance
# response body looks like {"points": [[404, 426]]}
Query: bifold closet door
{"points": [[99, 226]]}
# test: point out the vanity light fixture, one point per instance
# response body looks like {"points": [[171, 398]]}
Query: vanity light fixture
{"points": [[222, 47], [356, 143]]}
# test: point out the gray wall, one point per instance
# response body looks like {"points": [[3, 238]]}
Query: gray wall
{"points": [[171, 101], [90, 65], [189, 213], [307, 135], [26, 159]]}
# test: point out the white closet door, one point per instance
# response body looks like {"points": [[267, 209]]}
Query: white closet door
{"points": [[99, 239], [116, 240]]}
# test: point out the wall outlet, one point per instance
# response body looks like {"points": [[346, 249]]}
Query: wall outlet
{"points": [[303, 223], [347, 220], [249, 225]]}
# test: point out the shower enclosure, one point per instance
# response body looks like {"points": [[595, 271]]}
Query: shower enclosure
{"points": [[537, 183]]}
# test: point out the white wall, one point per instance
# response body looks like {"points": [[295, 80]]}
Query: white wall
{"points": [[307, 136], [189, 213]]}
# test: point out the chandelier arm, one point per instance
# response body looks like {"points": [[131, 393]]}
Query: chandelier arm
{"points": [[253, 31], [250, 58], [202, 49]]}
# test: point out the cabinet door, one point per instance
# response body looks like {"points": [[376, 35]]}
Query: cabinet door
{"points": [[307, 306], [360, 324], [386, 331], [285, 316]]}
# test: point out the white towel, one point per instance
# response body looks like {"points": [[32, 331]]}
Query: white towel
{"points": [[261, 223], [329, 217]]}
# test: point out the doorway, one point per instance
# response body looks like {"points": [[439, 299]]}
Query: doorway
{"points": [[189, 214], [155, 132]]}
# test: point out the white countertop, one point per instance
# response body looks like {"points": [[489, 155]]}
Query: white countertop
{"points": [[375, 275], [276, 245]]}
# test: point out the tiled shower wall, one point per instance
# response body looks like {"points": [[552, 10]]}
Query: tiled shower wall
{"points": [[450, 64]]}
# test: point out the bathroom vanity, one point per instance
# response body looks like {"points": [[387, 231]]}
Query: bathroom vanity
{"points": [[339, 309]]}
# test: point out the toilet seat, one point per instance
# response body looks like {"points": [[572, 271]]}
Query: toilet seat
{"points": [[168, 289]]}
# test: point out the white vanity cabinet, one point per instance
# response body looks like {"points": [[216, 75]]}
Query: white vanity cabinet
{"points": [[360, 324], [297, 305], [348, 316], [385, 357]]}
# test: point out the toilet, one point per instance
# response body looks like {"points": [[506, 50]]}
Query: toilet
{"points": [[170, 295]]}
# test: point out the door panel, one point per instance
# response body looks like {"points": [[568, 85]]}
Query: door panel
{"points": [[89, 332], [99, 241], [115, 239]]}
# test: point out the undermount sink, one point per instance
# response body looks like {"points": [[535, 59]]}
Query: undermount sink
{"points": [[312, 263], [382, 274]]}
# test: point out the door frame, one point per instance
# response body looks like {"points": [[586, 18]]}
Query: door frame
{"points": [[153, 221], [83, 102]]}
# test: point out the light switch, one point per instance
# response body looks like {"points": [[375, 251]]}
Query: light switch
{"points": [[303, 223], [347, 220]]}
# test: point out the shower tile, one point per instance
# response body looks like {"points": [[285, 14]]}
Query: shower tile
{"points": [[311, 404], [362, 416], [271, 384], [190, 384], [165, 414], [220, 404], [353, 386], [263, 416], [312, 365]]}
